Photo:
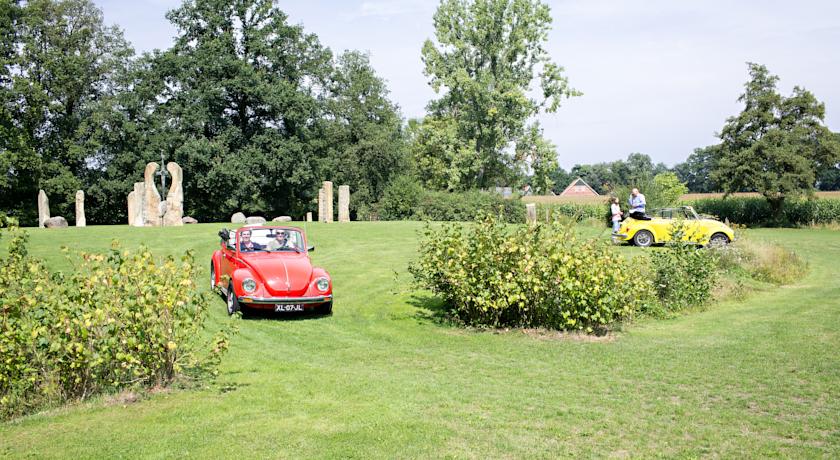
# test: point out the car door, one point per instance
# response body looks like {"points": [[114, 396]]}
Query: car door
{"points": [[227, 262], [693, 229]]}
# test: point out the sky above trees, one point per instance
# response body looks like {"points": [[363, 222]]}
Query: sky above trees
{"points": [[658, 78]]}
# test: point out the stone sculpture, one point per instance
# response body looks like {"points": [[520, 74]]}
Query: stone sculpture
{"points": [[43, 208], [139, 193], [80, 209], [309, 217], [132, 207], [328, 200], [175, 198], [344, 203], [322, 209], [237, 218], [151, 197]]}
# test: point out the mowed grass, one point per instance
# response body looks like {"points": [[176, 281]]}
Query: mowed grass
{"points": [[380, 379]]}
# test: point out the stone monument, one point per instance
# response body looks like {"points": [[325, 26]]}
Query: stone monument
{"points": [[80, 209], [322, 203], [344, 203], [139, 192], [151, 197], [309, 217], [328, 200], [175, 197], [43, 208]]}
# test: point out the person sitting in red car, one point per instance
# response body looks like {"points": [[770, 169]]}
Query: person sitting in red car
{"points": [[245, 243]]}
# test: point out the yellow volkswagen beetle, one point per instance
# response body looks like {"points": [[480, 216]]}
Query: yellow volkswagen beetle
{"points": [[658, 228]]}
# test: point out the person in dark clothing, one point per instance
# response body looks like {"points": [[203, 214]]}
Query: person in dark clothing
{"points": [[245, 243]]}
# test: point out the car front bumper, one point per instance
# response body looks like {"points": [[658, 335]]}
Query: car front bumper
{"points": [[253, 300]]}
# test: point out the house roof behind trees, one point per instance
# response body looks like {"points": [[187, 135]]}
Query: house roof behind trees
{"points": [[579, 187]]}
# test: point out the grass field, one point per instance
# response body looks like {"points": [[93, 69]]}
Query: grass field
{"points": [[381, 379]]}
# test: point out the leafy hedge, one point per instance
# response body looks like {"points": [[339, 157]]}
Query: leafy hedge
{"points": [[574, 211], [405, 199], [755, 211], [532, 276], [118, 320]]}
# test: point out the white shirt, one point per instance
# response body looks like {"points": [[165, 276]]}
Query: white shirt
{"points": [[616, 211]]}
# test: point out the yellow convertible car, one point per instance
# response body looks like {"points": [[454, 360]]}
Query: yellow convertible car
{"points": [[658, 228]]}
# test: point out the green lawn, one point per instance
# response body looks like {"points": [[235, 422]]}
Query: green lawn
{"points": [[753, 378]]}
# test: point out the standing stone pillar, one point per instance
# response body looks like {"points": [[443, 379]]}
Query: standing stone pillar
{"points": [[322, 206], [132, 207], [309, 217], [139, 207], [43, 208], [344, 203], [328, 196], [175, 197], [151, 197], [531, 213], [80, 209]]}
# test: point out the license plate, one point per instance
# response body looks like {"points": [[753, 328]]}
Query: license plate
{"points": [[290, 307]]}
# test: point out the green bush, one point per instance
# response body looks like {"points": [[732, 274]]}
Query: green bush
{"points": [[406, 199], [577, 212], [755, 211], [531, 276], [683, 274], [118, 320]]}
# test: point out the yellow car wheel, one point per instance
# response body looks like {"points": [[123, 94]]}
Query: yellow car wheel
{"points": [[718, 239], [643, 238]]}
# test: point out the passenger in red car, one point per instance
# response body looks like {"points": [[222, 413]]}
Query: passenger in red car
{"points": [[245, 243], [280, 241]]}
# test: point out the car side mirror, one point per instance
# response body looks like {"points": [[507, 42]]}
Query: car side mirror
{"points": [[224, 234], [310, 248]]}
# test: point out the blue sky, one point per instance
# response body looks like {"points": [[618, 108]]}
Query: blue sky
{"points": [[658, 77]]}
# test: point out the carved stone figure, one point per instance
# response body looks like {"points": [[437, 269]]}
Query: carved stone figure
{"points": [[151, 197], [344, 203], [175, 197], [139, 208], [80, 209], [43, 208]]}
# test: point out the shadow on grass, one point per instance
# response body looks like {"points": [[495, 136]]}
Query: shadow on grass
{"points": [[430, 309], [260, 314]]}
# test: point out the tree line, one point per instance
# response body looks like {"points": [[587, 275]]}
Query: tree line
{"points": [[258, 112]]}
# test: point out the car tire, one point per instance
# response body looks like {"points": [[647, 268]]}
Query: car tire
{"points": [[643, 238], [231, 301], [325, 309], [718, 239], [212, 277]]}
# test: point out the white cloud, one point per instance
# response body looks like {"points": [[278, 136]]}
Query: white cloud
{"points": [[388, 9]]}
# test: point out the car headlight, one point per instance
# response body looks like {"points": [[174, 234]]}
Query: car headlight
{"points": [[249, 285], [322, 284]]}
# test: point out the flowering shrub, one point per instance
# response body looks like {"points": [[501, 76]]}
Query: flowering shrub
{"points": [[117, 320], [531, 276]]}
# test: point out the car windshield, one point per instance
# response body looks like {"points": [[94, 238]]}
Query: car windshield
{"points": [[271, 240]]}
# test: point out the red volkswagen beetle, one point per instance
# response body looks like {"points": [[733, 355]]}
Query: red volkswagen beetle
{"points": [[268, 268]]}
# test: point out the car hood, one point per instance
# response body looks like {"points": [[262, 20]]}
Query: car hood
{"points": [[282, 274]]}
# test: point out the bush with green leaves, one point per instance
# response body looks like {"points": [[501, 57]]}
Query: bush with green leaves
{"points": [[406, 199], [490, 274], [115, 321], [756, 211], [683, 274]]}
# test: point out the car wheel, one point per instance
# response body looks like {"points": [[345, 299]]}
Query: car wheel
{"points": [[643, 238], [232, 301], [212, 277], [718, 239], [325, 309]]}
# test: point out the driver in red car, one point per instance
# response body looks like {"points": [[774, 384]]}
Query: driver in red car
{"points": [[245, 243]]}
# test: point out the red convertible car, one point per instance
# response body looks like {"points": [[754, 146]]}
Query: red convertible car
{"points": [[268, 268]]}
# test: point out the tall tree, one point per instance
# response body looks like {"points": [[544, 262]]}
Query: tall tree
{"points": [[486, 56], [439, 158], [696, 171], [540, 156], [58, 79], [777, 144], [240, 99], [362, 130]]}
